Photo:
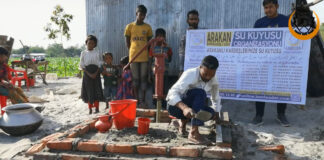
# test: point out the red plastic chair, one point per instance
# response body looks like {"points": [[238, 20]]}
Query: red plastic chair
{"points": [[3, 103], [16, 77]]}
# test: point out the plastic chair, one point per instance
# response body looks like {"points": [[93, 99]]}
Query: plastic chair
{"points": [[17, 77], [3, 103]]}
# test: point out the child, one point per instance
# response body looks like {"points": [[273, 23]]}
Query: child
{"points": [[15, 94], [137, 35], [90, 62], [125, 88], [110, 75], [161, 48]]}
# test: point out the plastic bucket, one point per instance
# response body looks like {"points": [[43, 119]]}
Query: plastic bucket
{"points": [[126, 118], [143, 125]]}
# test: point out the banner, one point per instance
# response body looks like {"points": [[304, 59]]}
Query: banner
{"points": [[264, 64]]}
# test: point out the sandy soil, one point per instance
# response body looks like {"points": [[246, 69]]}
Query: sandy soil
{"points": [[303, 140]]}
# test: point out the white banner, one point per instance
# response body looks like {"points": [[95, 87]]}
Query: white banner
{"points": [[265, 64]]}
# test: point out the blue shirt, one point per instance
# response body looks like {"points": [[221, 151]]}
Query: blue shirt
{"points": [[265, 22]]}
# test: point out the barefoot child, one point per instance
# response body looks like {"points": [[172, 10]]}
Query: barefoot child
{"points": [[90, 63], [110, 75], [125, 86], [137, 34]]}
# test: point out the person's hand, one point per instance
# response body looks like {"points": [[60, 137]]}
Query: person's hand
{"points": [[216, 118], [188, 112], [93, 76]]}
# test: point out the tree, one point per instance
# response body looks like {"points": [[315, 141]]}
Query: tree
{"points": [[59, 24], [18, 51], [73, 51], [36, 49], [55, 50]]}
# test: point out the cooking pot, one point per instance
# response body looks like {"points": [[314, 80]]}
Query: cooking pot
{"points": [[20, 119]]}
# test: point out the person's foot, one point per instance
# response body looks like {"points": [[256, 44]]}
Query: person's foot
{"points": [[90, 111], [181, 127], [97, 110], [197, 138], [257, 120], [281, 118]]}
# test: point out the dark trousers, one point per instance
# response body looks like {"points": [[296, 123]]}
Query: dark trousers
{"points": [[259, 107], [195, 99]]}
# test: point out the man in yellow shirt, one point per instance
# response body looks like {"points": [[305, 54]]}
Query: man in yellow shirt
{"points": [[137, 34]]}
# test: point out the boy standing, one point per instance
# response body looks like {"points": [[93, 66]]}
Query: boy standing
{"points": [[272, 19], [110, 75], [137, 35], [161, 49]]}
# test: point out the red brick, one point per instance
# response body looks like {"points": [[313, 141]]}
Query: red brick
{"points": [[145, 112], [218, 152], [47, 156], [84, 129], [152, 150], [35, 148], [120, 148], [74, 157], [51, 137], [229, 145], [90, 146], [184, 152], [65, 144], [72, 135], [77, 127]]}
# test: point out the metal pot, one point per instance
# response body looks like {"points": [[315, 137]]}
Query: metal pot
{"points": [[20, 119]]}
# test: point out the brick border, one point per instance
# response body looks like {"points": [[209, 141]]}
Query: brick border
{"points": [[121, 148], [67, 141], [53, 140]]}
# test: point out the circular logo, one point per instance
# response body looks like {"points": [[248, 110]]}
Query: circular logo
{"points": [[303, 35]]}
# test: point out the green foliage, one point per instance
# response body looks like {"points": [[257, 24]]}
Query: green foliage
{"points": [[34, 49], [55, 50], [56, 65], [59, 24]]}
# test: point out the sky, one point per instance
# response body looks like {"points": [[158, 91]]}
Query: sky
{"points": [[25, 20]]}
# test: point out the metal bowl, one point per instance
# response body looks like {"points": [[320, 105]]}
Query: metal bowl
{"points": [[20, 119]]}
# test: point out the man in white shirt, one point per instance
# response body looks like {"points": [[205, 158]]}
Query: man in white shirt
{"points": [[188, 96]]}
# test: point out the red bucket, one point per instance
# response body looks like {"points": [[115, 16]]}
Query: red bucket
{"points": [[125, 117], [143, 125]]}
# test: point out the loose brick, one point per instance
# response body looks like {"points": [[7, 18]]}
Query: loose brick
{"points": [[218, 152], [52, 137], [145, 112], [65, 144], [90, 146], [84, 129], [47, 156], [120, 148], [152, 150], [35, 148], [72, 135], [77, 127], [224, 145], [184, 152], [74, 157]]}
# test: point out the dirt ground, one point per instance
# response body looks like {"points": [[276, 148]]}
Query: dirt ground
{"points": [[304, 140]]}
